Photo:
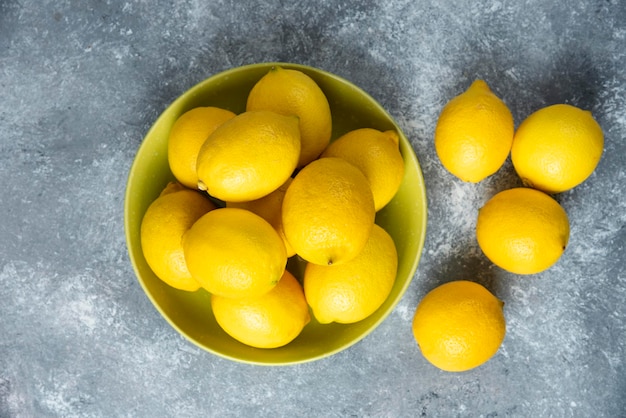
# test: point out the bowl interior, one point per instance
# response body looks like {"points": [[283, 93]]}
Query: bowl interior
{"points": [[190, 313]]}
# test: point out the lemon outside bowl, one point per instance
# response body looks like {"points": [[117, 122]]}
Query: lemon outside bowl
{"points": [[190, 313]]}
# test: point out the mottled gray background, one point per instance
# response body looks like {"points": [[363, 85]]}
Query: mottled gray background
{"points": [[81, 82]]}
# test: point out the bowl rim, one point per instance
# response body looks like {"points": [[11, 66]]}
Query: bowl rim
{"points": [[411, 154]]}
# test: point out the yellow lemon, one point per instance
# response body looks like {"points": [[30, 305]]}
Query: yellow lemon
{"points": [[249, 156], [270, 208], [377, 155], [165, 222], [352, 291], [522, 230], [328, 211], [459, 326], [267, 321], [232, 252], [291, 92], [172, 187], [556, 148], [474, 133], [188, 134]]}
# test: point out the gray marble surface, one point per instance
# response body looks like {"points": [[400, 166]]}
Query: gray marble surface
{"points": [[81, 82]]}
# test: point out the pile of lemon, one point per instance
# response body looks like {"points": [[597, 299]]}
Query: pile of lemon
{"points": [[523, 230], [257, 188]]}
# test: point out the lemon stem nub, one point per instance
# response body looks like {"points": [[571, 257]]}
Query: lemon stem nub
{"points": [[202, 186]]}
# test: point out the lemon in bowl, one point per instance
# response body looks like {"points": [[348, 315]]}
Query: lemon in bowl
{"points": [[190, 313]]}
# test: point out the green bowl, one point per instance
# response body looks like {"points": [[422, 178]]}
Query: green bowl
{"points": [[190, 313]]}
